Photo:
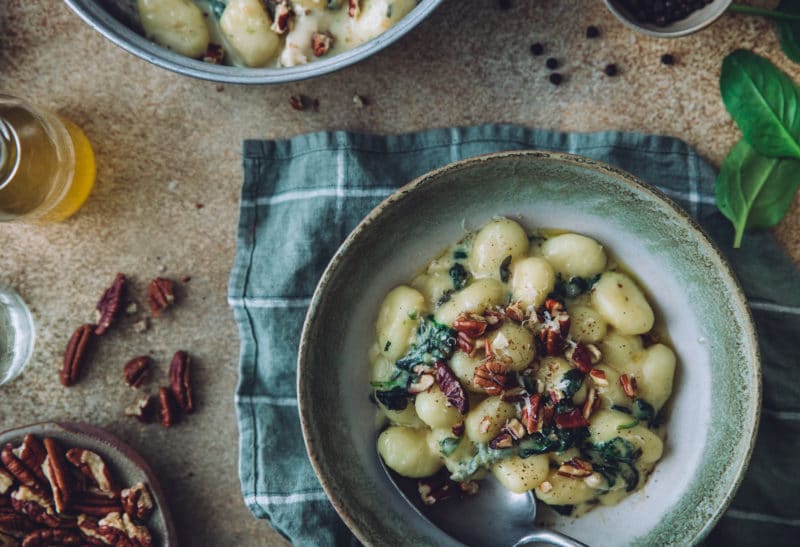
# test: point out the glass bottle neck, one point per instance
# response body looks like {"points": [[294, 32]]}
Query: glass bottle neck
{"points": [[9, 152]]}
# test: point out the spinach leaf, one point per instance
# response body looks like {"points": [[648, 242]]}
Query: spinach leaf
{"points": [[573, 287], [217, 7], [615, 459], [571, 382], [764, 102], [459, 255], [459, 276], [790, 31], [485, 457], [644, 411], [754, 191], [334, 4], [446, 296], [551, 439], [448, 445], [393, 394], [433, 341], [504, 273]]}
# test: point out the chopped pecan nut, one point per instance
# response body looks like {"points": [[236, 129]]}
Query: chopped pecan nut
{"points": [[598, 377], [27, 502], [93, 466], [470, 488], [591, 403], [214, 54], [582, 358], [32, 453], [451, 387], [515, 312], [180, 381], [628, 384], [321, 43], [136, 370], [558, 314], [594, 353], [424, 383], [354, 8], [137, 502], [436, 488], [76, 354], [97, 505], [492, 376], [143, 409], [571, 420], [471, 324], [57, 473], [282, 15], [545, 487], [503, 440], [458, 429], [160, 295], [494, 319], [485, 424], [515, 428], [299, 102], [6, 482], [109, 305], [52, 537], [552, 341], [513, 395], [465, 343], [531, 416], [575, 468], [19, 471], [167, 411]]}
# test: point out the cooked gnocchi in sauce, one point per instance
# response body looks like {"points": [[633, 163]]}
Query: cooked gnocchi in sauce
{"points": [[535, 358], [267, 33]]}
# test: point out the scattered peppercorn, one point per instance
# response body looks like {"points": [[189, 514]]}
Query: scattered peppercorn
{"points": [[667, 59], [592, 31], [551, 63], [504, 4], [537, 49], [611, 69], [555, 78]]}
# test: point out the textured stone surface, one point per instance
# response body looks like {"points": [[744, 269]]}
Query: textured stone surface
{"points": [[165, 143]]}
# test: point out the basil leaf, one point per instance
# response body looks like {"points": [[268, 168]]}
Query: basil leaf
{"points": [[763, 101], [754, 191], [790, 31]]}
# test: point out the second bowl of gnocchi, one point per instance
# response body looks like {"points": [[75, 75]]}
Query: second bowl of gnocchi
{"points": [[573, 341]]}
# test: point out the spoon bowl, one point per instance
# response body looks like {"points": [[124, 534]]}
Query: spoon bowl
{"points": [[473, 520]]}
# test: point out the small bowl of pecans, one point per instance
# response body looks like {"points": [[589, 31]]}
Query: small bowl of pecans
{"points": [[65, 483], [667, 18]]}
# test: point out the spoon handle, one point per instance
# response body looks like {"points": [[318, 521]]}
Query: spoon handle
{"points": [[550, 537]]}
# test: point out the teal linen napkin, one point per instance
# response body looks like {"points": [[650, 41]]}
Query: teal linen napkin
{"points": [[300, 199]]}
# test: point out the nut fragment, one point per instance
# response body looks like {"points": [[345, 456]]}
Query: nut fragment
{"points": [[470, 488], [57, 473], [424, 383], [465, 343], [492, 376], [458, 429], [354, 8], [110, 304], [93, 466], [628, 384], [160, 295], [282, 15], [76, 354], [576, 468], [546, 487], [591, 403], [571, 420], [321, 43], [106, 535], [485, 424], [180, 381], [436, 488], [52, 537], [19, 471], [515, 312], [214, 54], [96, 505], [513, 395], [143, 409], [515, 428], [32, 454], [167, 411], [471, 324], [27, 502], [582, 358], [13, 523], [531, 416], [502, 440], [136, 370], [598, 377], [6, 482], [137, 502], [451, 387]]}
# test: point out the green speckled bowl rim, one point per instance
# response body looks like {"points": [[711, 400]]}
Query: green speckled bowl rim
{"points": [[750, 354]]}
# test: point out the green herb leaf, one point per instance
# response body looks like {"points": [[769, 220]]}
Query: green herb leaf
{"points": [[393, 394], [448, 445], [217, 7], [571, 382], [645, 412], [613, 459], [459, 255], [574, 287], [504, 273], [459, 276], [432, 341], [790, 31], [763, 101], [387, 345], [754, 191], [630, 425]]}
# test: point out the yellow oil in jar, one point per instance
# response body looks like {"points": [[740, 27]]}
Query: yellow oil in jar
{"points": [[47, 169]]}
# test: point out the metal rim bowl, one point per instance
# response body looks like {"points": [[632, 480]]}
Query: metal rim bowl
{"points": [[112, 27], [697, 20]]}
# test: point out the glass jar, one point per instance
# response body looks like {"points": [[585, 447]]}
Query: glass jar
{"points": [[47, 166], [17, 334]]}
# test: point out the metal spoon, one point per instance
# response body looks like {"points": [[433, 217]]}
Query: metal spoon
{"points": [[493, 517]]}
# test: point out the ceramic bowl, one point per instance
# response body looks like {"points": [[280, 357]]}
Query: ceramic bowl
{"points": [[697, 20], [717, 390], [118, 20], [126, 466]]}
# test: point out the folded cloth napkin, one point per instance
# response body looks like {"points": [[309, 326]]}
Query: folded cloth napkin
{"points": [[302, 196]]}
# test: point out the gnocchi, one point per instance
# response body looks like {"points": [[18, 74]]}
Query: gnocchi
{"points": [[275, 33], [536, 363]]}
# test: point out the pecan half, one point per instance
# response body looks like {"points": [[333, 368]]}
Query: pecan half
{"points": [[136, 370], [76, 354], [471, 324], [160, 295], [629, 386], [214, 54], [576, 468], [503, 440], [6, 482], [109, 305], [14, 523], [27, 502], [57, 473], [143, 409], [571, 420], [353, 8], [180, 381], [97, 505], [492, 376], [321, 42], [19, 471], [582, 358], [106, 535], [138, 536], [282, 15], [137, 502], [94, 467], [451, 387], [52, 537], [32, 453], [167, 410], [530, 415]]}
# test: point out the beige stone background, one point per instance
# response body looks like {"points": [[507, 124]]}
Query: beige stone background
{"points": [[166, 142]]}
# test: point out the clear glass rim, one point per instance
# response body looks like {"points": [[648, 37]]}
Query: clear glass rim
{"points": [[11, 297]]}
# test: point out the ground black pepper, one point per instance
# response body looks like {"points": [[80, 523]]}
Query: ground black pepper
{"points": [[537, 49], [551, 63]]}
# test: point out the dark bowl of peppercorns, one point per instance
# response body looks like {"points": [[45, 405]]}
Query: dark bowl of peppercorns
{"points": [[667, 18]]}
